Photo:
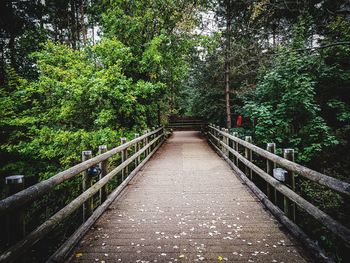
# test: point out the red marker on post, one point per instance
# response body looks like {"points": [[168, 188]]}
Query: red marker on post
{"points": [[239, 121]]}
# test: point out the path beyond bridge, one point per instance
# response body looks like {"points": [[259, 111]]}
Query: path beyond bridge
{"points": [[187, 205]]}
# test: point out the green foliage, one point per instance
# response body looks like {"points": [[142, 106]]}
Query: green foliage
{"points": [[95, 95], [158, 35], [284, 107], [81, 99]]}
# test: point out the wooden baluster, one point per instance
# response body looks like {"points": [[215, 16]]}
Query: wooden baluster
{"points": [[222, 139], [146, 142], [270, 147], [103, 166], [289, 205], [227, 143], [248, 156], [235, 147], [124, 157], [15, 224], [152, 137], [230, 144], [86, 183], [137, 148], [163, 133], [218, 136]]}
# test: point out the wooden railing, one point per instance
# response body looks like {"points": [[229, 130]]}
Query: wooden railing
{"points": [[143, 148], [186, 124], [230, 146]]}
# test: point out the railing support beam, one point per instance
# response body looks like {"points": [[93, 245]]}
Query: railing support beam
{"points": [[86, 183], [249, 157], [124, 157], [103, 166], [289, 206], [15, 224], [270, 165]]}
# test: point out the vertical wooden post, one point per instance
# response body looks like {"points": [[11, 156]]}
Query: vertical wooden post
{"points": [[87, 180], [230, 144], [145, 143], [137, 148], [103, 166], [15, 225], [214, 132], [227, 141], [289, 205], [270, 147], [217, 132], [248, 156], [152, 137], [235, 147], [124, 157], [164, 133], [222, 139]]}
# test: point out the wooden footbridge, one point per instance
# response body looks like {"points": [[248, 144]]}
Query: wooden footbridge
{"points": [[179, 201]]}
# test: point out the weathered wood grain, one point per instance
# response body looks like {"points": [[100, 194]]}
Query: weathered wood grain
{"points": [[322, 179], [22, 246], [186, 205], [63, 252], [333, 225], [34, 192]]}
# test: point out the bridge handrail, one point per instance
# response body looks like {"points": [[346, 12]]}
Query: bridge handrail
{"points": [[322, 179], [11, 254], [34, 192], [333, 225]]}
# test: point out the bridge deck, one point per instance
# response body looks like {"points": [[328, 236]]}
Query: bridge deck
{"points": [[186, 205]]}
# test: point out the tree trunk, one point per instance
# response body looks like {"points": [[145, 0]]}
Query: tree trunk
{"points": [[82, 22], [11, 46], [73, 39], [227, 70]]}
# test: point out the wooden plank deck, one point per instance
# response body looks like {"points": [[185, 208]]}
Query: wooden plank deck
{"points": [[186, 205]]}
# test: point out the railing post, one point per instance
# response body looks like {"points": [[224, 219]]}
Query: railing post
{"points": [[145, 143], [137, 148], [289, 205], [103, 166], [227, 143], [124, 157], [248, 156], [215, 134], [87, 180], [222, 139], [164, 133], [218, 136], [270, 147], [235, 147], [230, 144], [147, 140], [15, 225], [152, 137]]}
